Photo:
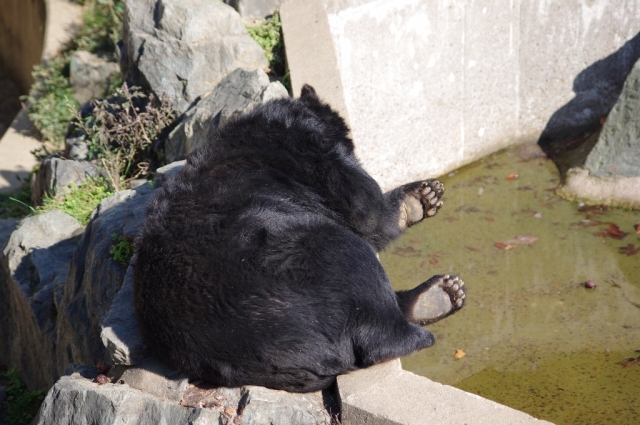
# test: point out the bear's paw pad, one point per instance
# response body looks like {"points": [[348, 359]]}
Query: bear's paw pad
{"points": [[443, 297]]}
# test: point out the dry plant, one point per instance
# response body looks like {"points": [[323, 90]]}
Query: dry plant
{"points": [[120, 132]]}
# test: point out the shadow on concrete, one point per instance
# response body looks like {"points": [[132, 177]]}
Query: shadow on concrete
{"points": [[574, 128]]}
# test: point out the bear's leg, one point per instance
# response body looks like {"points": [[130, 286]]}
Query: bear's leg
{"points": [[432, 300], [411, 203]]}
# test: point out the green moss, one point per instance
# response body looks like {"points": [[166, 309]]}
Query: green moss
{"points": [[122, 250], [80, 201], [20, 405]]}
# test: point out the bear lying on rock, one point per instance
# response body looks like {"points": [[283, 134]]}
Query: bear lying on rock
{"points": [[257, 262]]}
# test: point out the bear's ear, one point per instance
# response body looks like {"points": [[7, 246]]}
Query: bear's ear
{"points": [[308, 91]]}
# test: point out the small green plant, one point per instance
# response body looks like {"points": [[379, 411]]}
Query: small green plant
{"points": [[268, 34], [20, 405], [80, 201], [101, 26], [17, 204], [51, 102], [122, 250], [120, 133]]}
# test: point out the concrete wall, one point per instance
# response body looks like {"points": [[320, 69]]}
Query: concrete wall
{"points": [[22, 27], [431, 85]]}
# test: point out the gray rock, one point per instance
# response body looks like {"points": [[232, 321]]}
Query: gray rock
{"points": [[255, 9], [236, 94], [95, 278], [183, 48], [76, 148], [153, 377], [35, 264], [617, 152], [265, 406], [120, 332], [167, 171], [90, 75], [78, 401], [57, 175]]}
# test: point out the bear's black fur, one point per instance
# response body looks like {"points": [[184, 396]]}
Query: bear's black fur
{"points": [[256, 264]]}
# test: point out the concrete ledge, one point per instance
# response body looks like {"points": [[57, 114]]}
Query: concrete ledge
{"points": [[581, 186], [387, 395], [308, 41]]}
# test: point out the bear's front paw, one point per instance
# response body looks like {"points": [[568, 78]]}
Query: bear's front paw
{"points": [[420, 203]]}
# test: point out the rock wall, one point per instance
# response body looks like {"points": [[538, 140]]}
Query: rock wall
{"points": [[433, 85]]}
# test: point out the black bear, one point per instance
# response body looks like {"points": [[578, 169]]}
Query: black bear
{"points": [[257, 265]]}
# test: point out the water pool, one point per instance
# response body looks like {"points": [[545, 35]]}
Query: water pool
{"points": [[534, 338]]}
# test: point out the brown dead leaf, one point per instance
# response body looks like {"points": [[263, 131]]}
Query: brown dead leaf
{"points": [[630, 362], [459, 354], [472, 248], [408, 251], [504, 246], [512, 176], [629, 250]]}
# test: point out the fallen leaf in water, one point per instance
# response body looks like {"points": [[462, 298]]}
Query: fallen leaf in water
{"points": [[637, 229], [492, 272], [614, 231], [472, 248], [512, 176], [504, 246], [450, 219], [593, 208], [433, 261], [630, 362], [490, 219], [408, 251], [629, 250], [522, 240], [459, 354]]}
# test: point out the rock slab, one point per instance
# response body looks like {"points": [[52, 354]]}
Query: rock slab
{"points": [[33, 271], [183, 48], [75, 400], [237, 93], [255, 9], [57, 175], [90, 75], [617, 152]]}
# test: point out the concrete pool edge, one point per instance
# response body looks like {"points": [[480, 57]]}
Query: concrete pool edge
{"points": [[580, 186], [386, 394]]}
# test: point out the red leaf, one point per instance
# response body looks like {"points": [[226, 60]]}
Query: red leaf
{"points": [[614, 231], [512, 176], [629, 250]]}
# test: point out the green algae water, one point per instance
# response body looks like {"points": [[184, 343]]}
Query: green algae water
{"points": [[534, 337]]}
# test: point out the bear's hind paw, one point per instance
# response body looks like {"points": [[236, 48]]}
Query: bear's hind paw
{"points": [[439, 297]]}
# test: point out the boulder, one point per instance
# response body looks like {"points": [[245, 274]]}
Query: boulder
{"points": [[617, 152], [77, 400], [35, 264], [57, 175], [167, 171], [90, 75], [76, 148], [237, 93], [265, 406], [255, 9], [120, 332], [183, 48], [95, 278]]}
